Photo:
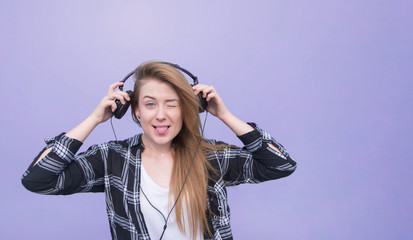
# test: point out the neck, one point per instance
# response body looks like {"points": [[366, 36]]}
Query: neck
{"points": [[158, 149]]}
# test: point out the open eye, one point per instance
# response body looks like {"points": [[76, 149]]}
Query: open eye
{"points": [[150, 105]]}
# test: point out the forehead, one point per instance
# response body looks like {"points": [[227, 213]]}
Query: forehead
{"points": [[157, 89]]}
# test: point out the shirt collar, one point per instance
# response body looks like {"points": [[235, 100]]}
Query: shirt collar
{"points": [[136, 141]]}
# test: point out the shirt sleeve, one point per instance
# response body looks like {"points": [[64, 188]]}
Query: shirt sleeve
{"points": [[256, 161], [62, 172]]}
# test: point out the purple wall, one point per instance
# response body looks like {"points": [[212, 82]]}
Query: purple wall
{"points": [[331, 80]]}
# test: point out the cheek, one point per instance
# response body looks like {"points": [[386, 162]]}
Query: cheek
{"points": [[179, 117]]}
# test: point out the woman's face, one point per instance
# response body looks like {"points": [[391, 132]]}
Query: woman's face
{"points": [[159, 112]]}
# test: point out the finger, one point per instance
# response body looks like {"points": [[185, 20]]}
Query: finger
{"points": [[199, 88], [196, 89], [208, 90], [205, 89], [118, 95], [114, 86], [106, 102], [211, 96], [113, 107], [124, 94]]}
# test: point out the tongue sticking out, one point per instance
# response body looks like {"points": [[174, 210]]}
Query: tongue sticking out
{"points": [[161, 130]]}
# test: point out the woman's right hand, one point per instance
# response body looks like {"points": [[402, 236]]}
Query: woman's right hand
{"points": [[102, 112], [107, 105]]}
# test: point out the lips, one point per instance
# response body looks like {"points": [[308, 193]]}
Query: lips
{"points": [[161, 130]]}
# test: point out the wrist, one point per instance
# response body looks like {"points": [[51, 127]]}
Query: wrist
{"points": [[226, 117], [92, 120], [238, 126], [82, 131]]}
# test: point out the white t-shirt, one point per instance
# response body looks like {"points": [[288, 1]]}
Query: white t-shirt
{"points": [[158, 196]]}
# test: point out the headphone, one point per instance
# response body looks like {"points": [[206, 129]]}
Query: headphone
{"points": [[122, 108]]}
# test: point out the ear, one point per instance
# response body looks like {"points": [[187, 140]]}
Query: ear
{"points": [[136, 112]]}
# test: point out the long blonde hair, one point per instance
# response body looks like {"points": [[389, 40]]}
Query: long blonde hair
{"points": [[194, 193]]}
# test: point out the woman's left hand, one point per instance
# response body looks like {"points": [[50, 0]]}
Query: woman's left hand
{"points": [[215, 104]]}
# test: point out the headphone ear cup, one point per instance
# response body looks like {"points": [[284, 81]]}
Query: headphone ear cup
{"points": [[202, 103], [122, 108]]}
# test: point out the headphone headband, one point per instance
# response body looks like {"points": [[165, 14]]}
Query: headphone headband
{"points": [[194, 78]]}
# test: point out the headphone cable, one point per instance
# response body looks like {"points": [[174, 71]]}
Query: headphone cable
{"points": [[187, 174], [113, 129]]}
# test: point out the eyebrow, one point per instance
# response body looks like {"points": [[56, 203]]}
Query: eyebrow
{"points": [[167, 100]]}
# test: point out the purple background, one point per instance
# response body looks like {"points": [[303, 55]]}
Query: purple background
{"points": [[330, 80]]}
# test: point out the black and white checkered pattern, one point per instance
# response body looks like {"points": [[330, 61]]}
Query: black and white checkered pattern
{"points": [[114, 168]]}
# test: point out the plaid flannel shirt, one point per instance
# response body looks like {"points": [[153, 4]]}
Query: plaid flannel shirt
{"points": [[114, 168]]}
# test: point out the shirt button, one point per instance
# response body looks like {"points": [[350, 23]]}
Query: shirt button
{"points": [[220, 208]]}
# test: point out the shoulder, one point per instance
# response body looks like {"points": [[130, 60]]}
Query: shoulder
{"points": [[211, 141], [133, 141], [214, 149]]}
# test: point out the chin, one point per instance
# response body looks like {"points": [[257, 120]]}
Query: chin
{"points": [[163, 140]]}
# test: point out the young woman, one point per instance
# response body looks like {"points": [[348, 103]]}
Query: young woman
{"points": [[167, 182]]}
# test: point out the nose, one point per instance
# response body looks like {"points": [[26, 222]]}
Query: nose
{"points": [[161, 113]]}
